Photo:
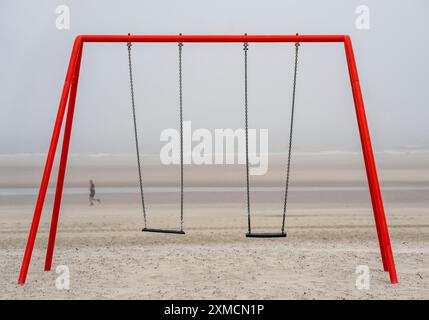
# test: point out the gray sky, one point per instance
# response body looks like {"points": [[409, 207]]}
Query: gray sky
{"points": [[392, 58]]}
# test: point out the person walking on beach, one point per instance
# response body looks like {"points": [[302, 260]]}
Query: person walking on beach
{"points": [[92, 193]]}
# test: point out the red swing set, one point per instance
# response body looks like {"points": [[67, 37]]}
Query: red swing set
{"points": [[69, 94]]}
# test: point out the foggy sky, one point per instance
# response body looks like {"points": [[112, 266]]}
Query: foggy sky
{"points": [[392, 59]]}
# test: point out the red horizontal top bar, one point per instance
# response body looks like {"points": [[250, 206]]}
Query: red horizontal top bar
{"points": [[213, 38]]}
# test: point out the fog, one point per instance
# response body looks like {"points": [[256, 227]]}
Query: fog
{"points": [[391, 58]]}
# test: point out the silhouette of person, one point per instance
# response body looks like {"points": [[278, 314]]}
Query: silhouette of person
{"points": [[92, 198]]}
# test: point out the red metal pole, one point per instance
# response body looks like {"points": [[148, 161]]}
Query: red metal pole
{"points": [[371, 171], [213, 38], [63, 163], [49, 162], [364, 141]]}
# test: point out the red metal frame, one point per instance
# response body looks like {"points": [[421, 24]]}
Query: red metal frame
{"points": [[70, 90]]}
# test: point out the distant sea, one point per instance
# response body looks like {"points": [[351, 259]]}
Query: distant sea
{"points": [[125, 190]]}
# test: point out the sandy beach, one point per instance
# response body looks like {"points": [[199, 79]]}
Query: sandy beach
{"points": [[330, 230]]}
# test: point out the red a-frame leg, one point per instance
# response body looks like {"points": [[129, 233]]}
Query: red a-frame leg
{"points": [[63, 163], [371, 171], [49, 160]]}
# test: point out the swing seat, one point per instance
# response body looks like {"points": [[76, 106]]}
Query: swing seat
{"points": [[163, 231], [266, 235]]}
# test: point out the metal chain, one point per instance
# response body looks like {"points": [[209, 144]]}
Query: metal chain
{"points": [[290, 135], [181, 134], [245, 48], [135, 131]]}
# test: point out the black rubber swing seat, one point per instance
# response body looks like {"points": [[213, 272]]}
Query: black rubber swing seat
{"points": [[163, 231], [266, 235]]}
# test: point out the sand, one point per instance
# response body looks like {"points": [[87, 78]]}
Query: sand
{"points": [[329, 224]]}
